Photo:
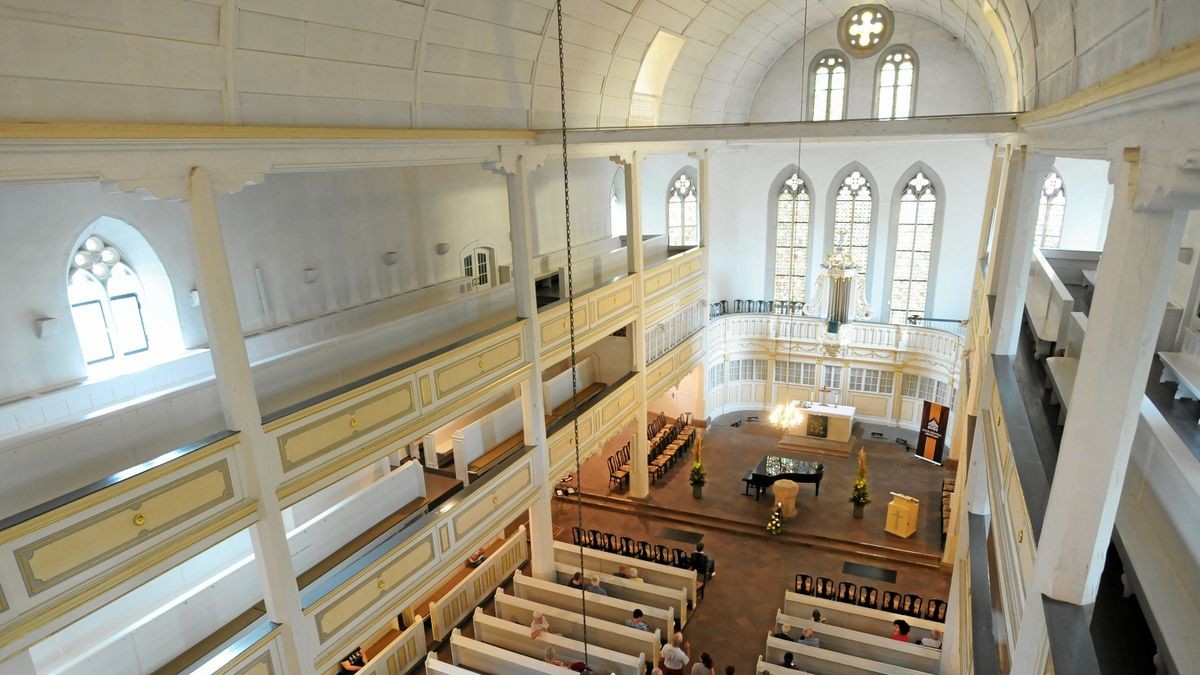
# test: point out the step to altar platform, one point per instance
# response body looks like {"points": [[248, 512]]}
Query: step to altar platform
{"points": [[815, 446]]}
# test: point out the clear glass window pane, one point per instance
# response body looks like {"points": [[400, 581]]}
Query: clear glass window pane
{"points": [[92, 330]]}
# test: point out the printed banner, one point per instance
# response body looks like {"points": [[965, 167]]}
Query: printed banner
{"points": [[932, 441]]}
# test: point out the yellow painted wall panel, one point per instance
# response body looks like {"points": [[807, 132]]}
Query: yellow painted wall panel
{"points": [[470, 517], [470, 369]]}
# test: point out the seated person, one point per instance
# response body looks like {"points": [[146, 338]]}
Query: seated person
{"points": [[576, 580], [784, 629], [789, 661], [807, 637], [538, 626], [635, 621], [816, 616], [353, 662], [631, 573], [621, 572], [594, 586], [703, 563], [935, 641], [900, 630], [552, 658]]}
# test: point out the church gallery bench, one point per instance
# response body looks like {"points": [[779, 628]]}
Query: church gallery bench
{"points": [[601, 607], [1062, 371], [650, 572], [481, 657], [1184, 370], [867, 645], [642, 592], [608, 634], [488, 440], [862, 619], [515, 638]]}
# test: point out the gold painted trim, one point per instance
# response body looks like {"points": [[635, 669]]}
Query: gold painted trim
{"points": [[217, 132], [356, 429], [3, 602], [25, 554], [38, 618], [1177, 62], [374, 450], [114, 491], [426, 390], [482, 353]]}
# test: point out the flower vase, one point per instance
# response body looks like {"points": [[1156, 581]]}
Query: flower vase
{"points": [[858, 511], [696, 490]]}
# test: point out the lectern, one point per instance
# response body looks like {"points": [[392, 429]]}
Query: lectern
{"points": [[902, 515]]}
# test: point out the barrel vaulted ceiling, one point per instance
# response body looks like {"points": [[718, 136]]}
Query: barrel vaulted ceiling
{"points": [[493, 63]]}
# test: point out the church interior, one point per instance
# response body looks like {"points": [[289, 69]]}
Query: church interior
{"points": [[529, 337]]}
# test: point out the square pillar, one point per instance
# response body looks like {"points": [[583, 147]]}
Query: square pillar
{"points": [[639, 474]]}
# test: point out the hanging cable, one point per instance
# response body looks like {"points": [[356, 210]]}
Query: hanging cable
{"points": [[799, 152], [562, 90]]}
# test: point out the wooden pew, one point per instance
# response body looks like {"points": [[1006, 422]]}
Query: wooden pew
{"points": [[608, 634], [829, 662], [515, 638], [870, 646], [598, 606], [510, 444], [862, 619], [642, 592], [482, 657], [650, 572], [487, 440], [435, 667], [1048, 304], [762, 668]]}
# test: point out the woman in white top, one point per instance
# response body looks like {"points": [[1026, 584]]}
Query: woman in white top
{"points": [[538, 626]]}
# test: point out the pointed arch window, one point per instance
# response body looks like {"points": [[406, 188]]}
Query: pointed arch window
{"points": [[793, 210], [829, 87], [683, 213], [852, 218], [1052, 206], [914, 249], [897, 84], [106, 303]]}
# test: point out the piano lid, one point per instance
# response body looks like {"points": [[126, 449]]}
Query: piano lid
{"points": [[774, 465]]}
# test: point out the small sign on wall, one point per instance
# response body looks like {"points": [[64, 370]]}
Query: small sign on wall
{"points": [[931, 443]]}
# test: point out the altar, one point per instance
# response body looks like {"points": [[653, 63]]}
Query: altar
{"points": [[822, 429]]}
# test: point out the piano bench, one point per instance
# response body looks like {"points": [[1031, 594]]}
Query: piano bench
{"points": [[749, 481]]}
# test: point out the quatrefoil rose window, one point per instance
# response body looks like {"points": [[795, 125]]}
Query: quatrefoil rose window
{"points": [[865, 29]]}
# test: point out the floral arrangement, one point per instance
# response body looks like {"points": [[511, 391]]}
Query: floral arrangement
{"points": [[698, 477], [858, 494]]}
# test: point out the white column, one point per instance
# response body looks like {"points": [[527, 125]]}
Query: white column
{"points": [[639, 475], [1015, 249], [1000, 159], [227, 345], [1127, 308], [541, 525]]}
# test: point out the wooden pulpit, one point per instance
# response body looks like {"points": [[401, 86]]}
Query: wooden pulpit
{"points": [[902, 515]]}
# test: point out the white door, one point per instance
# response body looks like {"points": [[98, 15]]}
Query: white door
{"points": [[477, 267]]}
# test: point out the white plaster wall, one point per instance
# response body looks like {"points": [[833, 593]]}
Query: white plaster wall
{"points": [[949, 79], [1089, 199], [591, 188], [741, 184], [658, 173]]}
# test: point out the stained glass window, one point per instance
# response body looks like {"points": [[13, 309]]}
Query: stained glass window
{"points": [[1052, 205], [852, 218], [829, 87], [793, 209], [897, 81], [683, 213], [914, 249]]}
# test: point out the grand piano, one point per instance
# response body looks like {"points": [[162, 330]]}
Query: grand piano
{"points": [[773, 467]]}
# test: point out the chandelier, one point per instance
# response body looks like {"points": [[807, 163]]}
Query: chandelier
{"points": [[789, 415]]}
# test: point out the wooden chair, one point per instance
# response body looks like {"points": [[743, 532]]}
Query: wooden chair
{"points": [[662, 555], [610, 543], [628, 547], [825, 588], [847, 592], [868, 596], [683, 559], [804, 584], [911, 605], [892, 601], [616, 476], [645, 551], [935, 610], [578, 536], [597, 539]]}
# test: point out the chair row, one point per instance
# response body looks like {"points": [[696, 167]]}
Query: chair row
{"points": [[619, 468], [868, 596], [673, 443], [629, 547]]}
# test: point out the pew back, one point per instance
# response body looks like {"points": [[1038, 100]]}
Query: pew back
{"points": [[642, 592], [829, 662], [515, 638], [862, 619], [604, 608], [608, 634], [651, 573], [485, 658], [874, 647]]}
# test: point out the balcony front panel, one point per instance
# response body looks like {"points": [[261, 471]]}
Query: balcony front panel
{"points": [[608, 308], [674, 271], [70, 557], [671, 367], [599, 423]]}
